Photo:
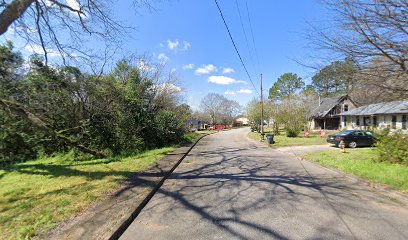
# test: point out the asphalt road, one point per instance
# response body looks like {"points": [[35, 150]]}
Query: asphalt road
{"points": [[230, 187]]}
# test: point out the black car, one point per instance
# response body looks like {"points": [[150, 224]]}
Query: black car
{"points": [[352, 138]]}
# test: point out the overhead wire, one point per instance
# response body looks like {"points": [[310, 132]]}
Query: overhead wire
{"points": [[252, 32], [235, 46], [246, 38]]}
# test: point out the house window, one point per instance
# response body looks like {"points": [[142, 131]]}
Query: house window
{"points": [[366, 121], [394, 122], [404, 121], [345, 120], [346, 108], [358, 121], [375, 121]]}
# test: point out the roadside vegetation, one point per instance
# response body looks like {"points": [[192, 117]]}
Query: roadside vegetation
{"points": [[36, 195], [365, 163], [284, 141]]}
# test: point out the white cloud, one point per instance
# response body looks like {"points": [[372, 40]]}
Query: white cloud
{"points": [[39, 50], [176, 45], [207, 69], [73, 4], [162, 57], [223, 80], [173, 45], [228, 92], [188, 66], [227, 70], [245, 91], [186, 45], [173, 70]]}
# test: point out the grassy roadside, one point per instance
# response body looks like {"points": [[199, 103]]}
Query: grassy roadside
{"points": [[36, 195], [283, 141], [362, 162]]}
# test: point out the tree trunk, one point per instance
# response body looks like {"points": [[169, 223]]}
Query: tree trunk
{"points": [[17, 109], [12, 12]]}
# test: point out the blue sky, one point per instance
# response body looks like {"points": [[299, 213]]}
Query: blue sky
{"points": [[191, 38]]}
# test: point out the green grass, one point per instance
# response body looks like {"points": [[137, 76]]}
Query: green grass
{"points": [[283, 141], [194, 136], [36, 195], [363, 162]]}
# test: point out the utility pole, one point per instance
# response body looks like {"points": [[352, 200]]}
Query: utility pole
{"points": [[262, 113]]}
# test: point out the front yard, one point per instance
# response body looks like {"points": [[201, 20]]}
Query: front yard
{"points": [[283, 141], [363, 162]]}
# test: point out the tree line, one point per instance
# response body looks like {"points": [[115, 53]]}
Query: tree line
{"points": [[47, 109]]}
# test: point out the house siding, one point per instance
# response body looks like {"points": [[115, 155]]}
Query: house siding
{"points": [[383, 121]]}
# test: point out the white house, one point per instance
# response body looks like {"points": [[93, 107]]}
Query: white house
{"points": [[380, 115]]}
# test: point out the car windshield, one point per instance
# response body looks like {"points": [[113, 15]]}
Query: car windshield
{"points": [[344, 133]]}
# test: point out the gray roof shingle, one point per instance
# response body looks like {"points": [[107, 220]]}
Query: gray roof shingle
{"points": [[379, 108], [326, 104]]}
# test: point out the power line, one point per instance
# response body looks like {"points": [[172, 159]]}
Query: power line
{"points": [[252, 33], [233, 43], [246, 39]]}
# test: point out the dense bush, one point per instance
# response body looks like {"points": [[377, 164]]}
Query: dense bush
{"points": [[292, 132], [126, 110], [393, 148]]}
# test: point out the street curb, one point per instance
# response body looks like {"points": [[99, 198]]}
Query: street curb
{"points": [[127, 222]]}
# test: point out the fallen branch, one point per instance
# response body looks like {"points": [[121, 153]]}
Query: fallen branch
{"points": [[19, 110]]}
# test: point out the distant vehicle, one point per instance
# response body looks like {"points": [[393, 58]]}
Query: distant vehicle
{"points": [[352, 138]]}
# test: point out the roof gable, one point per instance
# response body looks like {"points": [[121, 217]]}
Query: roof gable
{"points": [[327, 104]]}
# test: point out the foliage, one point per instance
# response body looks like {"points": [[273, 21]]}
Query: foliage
{"points": [[292, 132], [336, 78], [363, 162], [284, 141], [36, 195], [293, 113], [393, 148], [123, 111], [254, 112], [287, 85]]}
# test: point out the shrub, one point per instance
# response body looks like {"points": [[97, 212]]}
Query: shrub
{"points": [[292, 132], [393, 148]]}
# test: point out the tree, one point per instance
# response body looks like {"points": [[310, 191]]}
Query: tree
{"points": [[338, 77], [62, 27], [254, 112], [374, 35], [293, 113], [219, 109], [286, 86]]}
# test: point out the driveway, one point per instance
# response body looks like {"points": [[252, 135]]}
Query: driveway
{"points": [[230, 187]]}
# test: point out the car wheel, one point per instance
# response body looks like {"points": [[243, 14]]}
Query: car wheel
{"points": [[352, 144]]}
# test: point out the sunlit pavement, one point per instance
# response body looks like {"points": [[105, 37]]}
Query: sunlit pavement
{"points": [[230, 187]]}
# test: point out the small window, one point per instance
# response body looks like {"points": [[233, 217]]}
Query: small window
{"points": [[358, 121], [375, 121], [366, 121], [346, 108], [404, 121], [345, 120], [394, 122], [358, 134]]}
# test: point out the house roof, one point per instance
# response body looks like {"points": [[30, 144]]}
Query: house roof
{"points": [[198, 122], [379, 108], [326, 104]]}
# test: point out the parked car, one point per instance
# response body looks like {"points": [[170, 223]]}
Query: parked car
{"points": [[352, 138]]}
